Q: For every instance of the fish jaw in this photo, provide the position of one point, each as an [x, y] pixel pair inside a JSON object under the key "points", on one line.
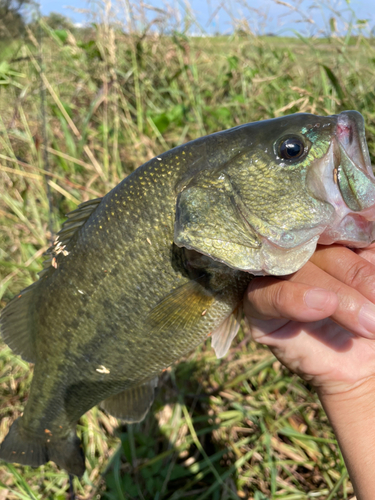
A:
{"points": [[346, 181]]}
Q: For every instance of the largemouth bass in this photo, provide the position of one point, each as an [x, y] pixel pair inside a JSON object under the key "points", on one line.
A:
{"points": [[140, 277]]}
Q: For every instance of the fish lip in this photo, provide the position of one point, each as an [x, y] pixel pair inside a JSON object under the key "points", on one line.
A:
{"points": [[349, 145], [349, 140], [350, 135]]}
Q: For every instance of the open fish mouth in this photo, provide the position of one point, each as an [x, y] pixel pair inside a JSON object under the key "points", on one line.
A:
{"points": [[349, 186]]}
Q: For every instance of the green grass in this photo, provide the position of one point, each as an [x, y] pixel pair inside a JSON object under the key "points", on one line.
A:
{"points": [[241, 427]]}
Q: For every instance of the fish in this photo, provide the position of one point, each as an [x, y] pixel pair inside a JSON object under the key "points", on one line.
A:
{"points": [[139, 278]]}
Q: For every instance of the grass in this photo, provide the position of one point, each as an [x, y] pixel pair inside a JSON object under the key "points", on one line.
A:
{"points": [[241, 427]]}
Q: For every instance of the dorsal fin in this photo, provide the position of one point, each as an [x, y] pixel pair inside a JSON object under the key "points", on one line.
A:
{"points": [[75, 220], [16, 322]]}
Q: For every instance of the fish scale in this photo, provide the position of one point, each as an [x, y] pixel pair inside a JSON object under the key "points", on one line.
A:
{"points": [[139, 278]]}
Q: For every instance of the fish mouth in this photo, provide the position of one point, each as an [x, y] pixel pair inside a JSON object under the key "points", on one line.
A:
{"points": [[348, 184]]}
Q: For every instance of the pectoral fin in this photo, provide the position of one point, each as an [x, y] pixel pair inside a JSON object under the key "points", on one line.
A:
{"points": [[181, 308], [132, 404], [223, 336]]}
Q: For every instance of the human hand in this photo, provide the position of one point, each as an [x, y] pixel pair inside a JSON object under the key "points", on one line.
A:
{"points": [[320, 321]]}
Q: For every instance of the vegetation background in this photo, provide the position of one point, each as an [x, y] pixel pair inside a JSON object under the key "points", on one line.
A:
{"points": [[80, 108]]}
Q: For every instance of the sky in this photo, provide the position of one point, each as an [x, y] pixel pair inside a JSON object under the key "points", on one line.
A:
{"points": [[217, 16]]}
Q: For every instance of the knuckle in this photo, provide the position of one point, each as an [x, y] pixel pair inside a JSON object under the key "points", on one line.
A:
{"points": [[358, 274], [265, 298], [280, 296]]}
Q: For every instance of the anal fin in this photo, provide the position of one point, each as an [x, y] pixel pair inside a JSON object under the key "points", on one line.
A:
{"points": [[222, 337], [132, 404]]}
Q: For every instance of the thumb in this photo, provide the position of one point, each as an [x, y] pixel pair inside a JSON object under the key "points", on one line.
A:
{"points": [[272, 298]]}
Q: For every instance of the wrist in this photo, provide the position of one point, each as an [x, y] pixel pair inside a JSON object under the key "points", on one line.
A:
{"points": [[348, 405], [341, 393], [352, 415]]}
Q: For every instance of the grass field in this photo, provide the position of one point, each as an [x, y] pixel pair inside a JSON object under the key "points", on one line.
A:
{"points": [[241, 427]]}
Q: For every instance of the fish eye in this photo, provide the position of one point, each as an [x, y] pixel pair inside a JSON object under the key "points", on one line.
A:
{"points": [[291, 148]]}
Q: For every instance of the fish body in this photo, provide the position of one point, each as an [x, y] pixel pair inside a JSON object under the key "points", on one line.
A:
{"points": [[137, 279]]}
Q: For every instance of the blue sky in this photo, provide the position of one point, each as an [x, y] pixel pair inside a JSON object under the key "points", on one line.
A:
{"points": [[271, 17]]}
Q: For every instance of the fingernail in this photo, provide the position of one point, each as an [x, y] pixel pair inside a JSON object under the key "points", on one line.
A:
{"points": [[317, 298], [366, 317]]}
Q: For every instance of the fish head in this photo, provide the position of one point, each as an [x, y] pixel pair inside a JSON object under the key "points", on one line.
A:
{"points": [[276, 189]]}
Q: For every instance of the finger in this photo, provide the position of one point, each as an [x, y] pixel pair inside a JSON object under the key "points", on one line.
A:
{"points": [[271, 298], [348, 267], [354, 312]]}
